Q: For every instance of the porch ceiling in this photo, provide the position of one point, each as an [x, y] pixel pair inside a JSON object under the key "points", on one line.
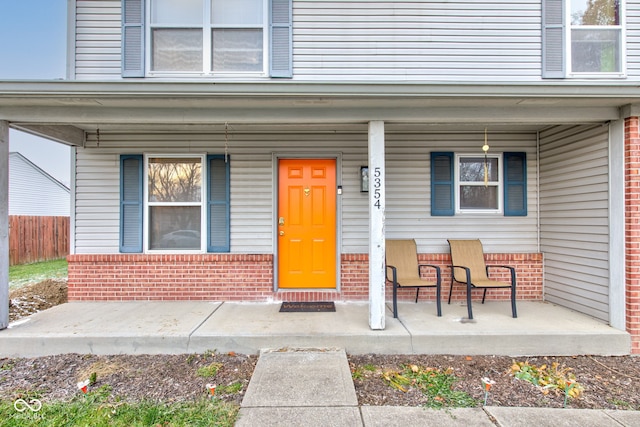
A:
{"points": [[65, 110]]}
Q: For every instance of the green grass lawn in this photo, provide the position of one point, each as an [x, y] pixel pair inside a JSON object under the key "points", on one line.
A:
{"points": [[20, 275], [96, 409]]}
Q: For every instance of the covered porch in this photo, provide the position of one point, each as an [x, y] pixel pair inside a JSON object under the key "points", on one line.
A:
{"points": [[137, 327], [377, 125]]}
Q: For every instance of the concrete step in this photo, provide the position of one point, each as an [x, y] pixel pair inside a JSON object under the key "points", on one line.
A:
{"points": [[310, 387]]}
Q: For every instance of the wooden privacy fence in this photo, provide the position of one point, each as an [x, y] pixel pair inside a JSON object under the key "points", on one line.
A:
{"points": [[37, 238]]}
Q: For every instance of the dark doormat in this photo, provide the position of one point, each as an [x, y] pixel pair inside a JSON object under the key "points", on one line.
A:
{"points": [[313, 306]]}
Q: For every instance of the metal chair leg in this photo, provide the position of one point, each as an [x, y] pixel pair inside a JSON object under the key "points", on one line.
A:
{"points": [[469, 310], [395, 300]]}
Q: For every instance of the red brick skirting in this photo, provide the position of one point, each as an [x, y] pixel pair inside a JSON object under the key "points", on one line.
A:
{"points": [[632, 230], [211, 277], [238, 277]]}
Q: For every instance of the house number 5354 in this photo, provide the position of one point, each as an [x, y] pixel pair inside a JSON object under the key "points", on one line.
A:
{"points": [[377, 184]]}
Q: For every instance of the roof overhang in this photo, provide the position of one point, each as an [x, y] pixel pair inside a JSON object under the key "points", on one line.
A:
{"points": [[65, 110]]}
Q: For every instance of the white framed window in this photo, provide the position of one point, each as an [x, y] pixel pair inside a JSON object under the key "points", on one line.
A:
{"points": [[595, 38], [174, 210], [207, 37], [474, 193]]}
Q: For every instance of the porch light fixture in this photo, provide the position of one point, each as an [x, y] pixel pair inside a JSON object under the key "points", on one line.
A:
{"points": [[364, 179], [485, 148]]}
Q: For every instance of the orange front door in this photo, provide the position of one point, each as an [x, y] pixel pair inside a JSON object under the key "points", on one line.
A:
{"points": [[307, 223]]}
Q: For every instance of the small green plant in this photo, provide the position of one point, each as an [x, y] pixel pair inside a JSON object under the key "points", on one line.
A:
{"points": [[357, 374], [619, 403], [210, 353], [7, 366], [435, 384], [233, 388], [93, 378], [364, 371], [554, 377], [209, 371]]}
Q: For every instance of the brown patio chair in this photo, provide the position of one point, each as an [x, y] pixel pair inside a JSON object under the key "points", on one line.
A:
{"points": [[468, 267], [402, 263]]}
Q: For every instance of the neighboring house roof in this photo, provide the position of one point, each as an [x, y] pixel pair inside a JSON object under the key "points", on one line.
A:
{"points": [[32, 191]]}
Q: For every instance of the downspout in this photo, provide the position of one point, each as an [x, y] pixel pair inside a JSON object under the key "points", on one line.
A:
{"points": [[4, 224], [538, 210], [71, 40]]}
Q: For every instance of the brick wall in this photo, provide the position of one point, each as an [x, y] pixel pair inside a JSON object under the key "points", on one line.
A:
{"points": [[238, 277], [212, 277], [632, 230]]}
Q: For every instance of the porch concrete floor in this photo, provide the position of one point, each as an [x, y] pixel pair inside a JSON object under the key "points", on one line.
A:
{"points": [[195, 326]]}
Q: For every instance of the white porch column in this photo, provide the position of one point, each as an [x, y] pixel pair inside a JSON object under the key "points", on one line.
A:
{"points": [[376, 225], [4, 224]]}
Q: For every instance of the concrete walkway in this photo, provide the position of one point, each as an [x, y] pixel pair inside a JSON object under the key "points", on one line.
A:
{"points": [[313, 388], [196, 326], [291, 388]]}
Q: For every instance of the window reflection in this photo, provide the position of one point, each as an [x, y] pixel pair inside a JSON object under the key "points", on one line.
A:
{"points": [[175, 180]]}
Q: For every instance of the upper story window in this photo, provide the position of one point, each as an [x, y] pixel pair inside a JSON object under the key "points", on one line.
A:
{"points": [[595, 36], [208, 36], [582, 38]]}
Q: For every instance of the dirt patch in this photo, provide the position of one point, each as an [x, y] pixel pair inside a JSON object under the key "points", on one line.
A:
{"points": [[36, 297], [607, 382], [161, 378]]}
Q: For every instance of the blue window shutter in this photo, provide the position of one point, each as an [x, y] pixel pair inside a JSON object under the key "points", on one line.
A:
{"points": [[132, 38], [553, 39], [281, 38], [218, 197], [515, 184], [442, 184], [131, 203]]}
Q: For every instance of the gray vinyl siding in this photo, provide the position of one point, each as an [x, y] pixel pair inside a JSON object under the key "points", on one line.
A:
{"points": [[633, 38], [97, 41], [253, 186], [408, 40], [409, 197], [574, 231], [359, 40], [97, 202]]}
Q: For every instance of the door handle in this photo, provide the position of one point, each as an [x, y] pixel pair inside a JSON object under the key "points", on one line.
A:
{"points": [[281, 221], [281, 233]]}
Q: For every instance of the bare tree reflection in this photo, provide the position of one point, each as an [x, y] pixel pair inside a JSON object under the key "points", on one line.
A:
{"points": [[174, 180]]}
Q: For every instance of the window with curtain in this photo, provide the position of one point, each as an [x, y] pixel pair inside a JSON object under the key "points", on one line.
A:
{"points": [[208, 36]]}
